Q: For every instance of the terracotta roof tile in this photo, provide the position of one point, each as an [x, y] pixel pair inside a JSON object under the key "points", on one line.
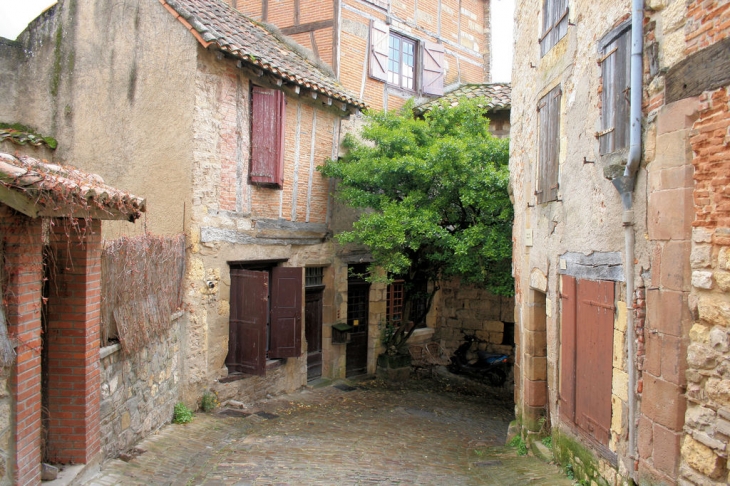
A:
{"points": [[499, 95], [37, 188], [214, 22]]}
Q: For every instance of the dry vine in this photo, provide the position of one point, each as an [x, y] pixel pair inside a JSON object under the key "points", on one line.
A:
{"points": [[141, 288]]}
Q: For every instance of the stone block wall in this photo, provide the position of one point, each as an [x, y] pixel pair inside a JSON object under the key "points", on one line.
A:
{"points": [[139, 391], [463, 308]]}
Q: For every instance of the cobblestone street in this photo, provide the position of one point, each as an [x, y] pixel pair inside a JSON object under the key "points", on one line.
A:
{"points": [[361, 434]]}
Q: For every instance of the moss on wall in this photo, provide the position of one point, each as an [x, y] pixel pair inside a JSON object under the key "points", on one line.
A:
{"points": [[577, 460]]}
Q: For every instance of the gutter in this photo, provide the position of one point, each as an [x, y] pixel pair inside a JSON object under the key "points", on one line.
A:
{"points": [[625, 186]]}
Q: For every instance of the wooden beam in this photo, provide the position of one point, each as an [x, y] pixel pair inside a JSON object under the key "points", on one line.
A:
{"points": [[704, 70], [308, 27]]}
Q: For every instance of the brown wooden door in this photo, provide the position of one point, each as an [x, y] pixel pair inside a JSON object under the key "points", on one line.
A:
{"points": [[358, 299], [286, 312], [587, 355], [248, 322], [313, 332]]}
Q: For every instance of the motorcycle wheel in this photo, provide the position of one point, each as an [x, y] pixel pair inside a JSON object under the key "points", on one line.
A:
{"points": [[496, 377]]}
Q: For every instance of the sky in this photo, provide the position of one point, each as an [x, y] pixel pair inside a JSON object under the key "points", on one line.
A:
{"points": [[15, 15]]}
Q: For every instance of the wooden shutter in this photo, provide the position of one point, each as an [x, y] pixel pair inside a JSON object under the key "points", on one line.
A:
{"points": [[248, 319], [286, 312], [433, 68], [267, 137], [615, 74], [554, 23], [549, 146], [379, 38], [567, 347]]}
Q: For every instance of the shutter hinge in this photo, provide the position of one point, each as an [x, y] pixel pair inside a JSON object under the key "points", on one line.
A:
{"points": [[604, 132], [606, 55]]}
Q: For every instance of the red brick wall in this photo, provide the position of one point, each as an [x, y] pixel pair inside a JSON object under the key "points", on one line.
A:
{"points": [[73, 343], [23, 272], [705, 26]]}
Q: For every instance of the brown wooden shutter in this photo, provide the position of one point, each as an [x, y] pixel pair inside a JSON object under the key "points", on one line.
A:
{"points": [[433, 68], [549, 146], [267, 137], [567, 347], [615, 106], [248, 318], [594, 357], [554, 23], [286, 312], [379, 41]]}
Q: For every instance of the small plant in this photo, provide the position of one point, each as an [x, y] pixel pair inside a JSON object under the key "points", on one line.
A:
{"points": [[182, 414], [548, 442], [209, 402], [519, 443], [569, 471]]}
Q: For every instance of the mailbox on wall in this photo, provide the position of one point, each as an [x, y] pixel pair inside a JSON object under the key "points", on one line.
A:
{"points": [[341, 333]]}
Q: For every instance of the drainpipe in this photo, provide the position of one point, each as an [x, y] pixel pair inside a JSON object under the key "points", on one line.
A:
{"points": [[625, 187]]}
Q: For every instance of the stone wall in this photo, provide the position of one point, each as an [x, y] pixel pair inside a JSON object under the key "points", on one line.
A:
{"points": [[139, 391]]}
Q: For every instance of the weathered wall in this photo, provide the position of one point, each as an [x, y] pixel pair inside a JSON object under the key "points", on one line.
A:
{"points": [[6, 424], [112, 82], [707, 421], [139, 391], [234, 221]]}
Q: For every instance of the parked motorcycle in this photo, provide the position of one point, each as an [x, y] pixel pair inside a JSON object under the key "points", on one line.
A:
{"points": [[489, 367]]}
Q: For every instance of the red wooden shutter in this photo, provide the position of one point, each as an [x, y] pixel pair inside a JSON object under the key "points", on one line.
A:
{"points": [[379, 39], [433, 68], [286, 312], [567, 348], [248, 319], [594, 358], [267, 137]]}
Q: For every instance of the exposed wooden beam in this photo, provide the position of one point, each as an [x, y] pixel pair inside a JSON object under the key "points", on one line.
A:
{"points": [[308, 27]]}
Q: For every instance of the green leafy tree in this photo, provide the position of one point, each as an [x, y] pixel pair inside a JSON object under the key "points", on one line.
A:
{"points": [[434, 201]]}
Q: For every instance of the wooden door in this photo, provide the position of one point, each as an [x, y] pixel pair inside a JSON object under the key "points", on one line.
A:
{"points": [[358, 299], [313, 332], [248, 322]]}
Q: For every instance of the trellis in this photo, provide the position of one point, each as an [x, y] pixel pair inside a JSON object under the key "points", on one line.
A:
{"points": [[141, 288]]}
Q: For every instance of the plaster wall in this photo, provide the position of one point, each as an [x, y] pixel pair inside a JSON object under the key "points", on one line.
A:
{"points": [[112, 82]]}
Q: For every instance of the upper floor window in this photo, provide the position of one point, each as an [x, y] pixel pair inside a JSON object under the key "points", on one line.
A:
{"points": [[549, 146], [401, 61], [267, 137], [554, 23], [615, 52], [404, 62]]}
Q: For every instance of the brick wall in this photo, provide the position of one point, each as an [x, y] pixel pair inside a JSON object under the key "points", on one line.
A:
{"points": [[23, 271], [73, 342]]}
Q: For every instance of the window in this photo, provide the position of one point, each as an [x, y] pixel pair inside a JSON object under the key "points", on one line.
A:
{"points": [[267, 137], [313, 276], [549, 146], [394, 305], [586, 355], [615, 51], [395, 59], [554, 23], [265, 317], [396, 299]]}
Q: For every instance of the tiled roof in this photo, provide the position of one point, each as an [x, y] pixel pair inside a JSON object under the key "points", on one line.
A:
{"points": [[498, 94], [213, 22], [36, 188]]}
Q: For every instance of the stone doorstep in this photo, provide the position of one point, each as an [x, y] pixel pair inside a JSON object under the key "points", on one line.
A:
{"points": [[68, 474]]}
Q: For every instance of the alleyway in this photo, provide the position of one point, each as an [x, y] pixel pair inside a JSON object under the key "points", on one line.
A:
{"points": [[362, 434]]}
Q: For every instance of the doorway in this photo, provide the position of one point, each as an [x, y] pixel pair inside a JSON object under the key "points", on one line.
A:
{"points": [[358, 300]]}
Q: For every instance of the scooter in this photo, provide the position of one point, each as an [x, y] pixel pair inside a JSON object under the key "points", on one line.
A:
{"points": [[490, 367]]}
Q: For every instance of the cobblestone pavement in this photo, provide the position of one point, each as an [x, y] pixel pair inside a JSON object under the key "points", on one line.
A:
{"points": [[416, 434]]}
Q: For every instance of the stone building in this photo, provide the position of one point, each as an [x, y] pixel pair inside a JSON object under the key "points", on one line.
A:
{"points": [[219, 123], [620, 236]]}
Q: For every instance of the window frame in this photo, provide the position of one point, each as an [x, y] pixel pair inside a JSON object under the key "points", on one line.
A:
{"points": [[554, 23], [403, 40], [548, 170]]}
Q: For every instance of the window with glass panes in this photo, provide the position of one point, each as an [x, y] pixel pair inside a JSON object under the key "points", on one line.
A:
{"points": [[401, 61]]}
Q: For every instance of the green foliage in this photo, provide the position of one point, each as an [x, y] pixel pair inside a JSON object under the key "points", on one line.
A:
{"points": [[208, 402], [569, 471], [519, 443], [182, 414], [433, 193], [547, 442]]}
